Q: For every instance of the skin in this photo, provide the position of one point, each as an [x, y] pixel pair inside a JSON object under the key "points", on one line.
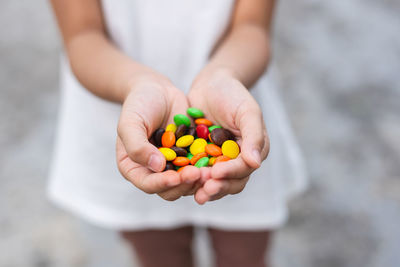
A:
{"points": [[108, 73]]}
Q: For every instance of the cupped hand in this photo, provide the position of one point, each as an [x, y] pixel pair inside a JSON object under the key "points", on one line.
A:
{"points": [[226, 102], [150, 104]]}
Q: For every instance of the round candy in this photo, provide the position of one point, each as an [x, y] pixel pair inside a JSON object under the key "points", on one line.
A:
{"points": [[212, 161], [213, 127], [181, 152], [185, 141], [221, 159], [230, 148], [219, 136], [181, 161], [169, 166], [203, 121], [180, 119], [191, 131], [198, 146], [195, 113], [180, 131], [196, 157], [168, 139], [171, 127], [168, 153], [203, 162], [202, 131], [189, 156], [213, 150], [158, 135]]}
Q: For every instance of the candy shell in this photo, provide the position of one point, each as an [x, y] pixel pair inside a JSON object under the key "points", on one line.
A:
{"points": [[171, 127], [185, 141], [169, 166], [221, 159], [180, 131], [189, 156], [191, 131], [181, 152], [203, 162], [181, 161], [213, 127], [157, 135], [198, 146], [180, 119], [202, 131], [168, 139], [230, 148], [168, 153], [203, 121], [196, 157], [219, 136], [195, 113], [212, 161], [213, 150]]}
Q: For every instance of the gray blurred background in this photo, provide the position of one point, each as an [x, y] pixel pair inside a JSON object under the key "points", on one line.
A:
{"points": [[339, 64]]}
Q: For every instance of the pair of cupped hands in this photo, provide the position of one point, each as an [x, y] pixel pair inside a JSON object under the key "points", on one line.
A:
{"points": [[152, 103]]}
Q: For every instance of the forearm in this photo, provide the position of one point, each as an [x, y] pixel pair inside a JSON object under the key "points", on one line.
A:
{"points": [[101, 68], [244, 54]]}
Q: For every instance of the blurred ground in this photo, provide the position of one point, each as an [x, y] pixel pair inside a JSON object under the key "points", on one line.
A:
{"points": [[339, 64]]}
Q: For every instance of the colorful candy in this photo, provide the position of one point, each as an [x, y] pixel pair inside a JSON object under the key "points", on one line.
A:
{"points": [[168, 139], [201, 145], [180, 119], [185, 141], [230, 148], [195, 113], [168, 153], [202, 131]]}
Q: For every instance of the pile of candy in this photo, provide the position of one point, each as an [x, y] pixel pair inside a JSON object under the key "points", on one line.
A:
{"points": [[202, 145]]}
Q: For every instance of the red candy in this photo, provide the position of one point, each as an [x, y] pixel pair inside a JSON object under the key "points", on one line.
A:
{"points": [[202, 131]]}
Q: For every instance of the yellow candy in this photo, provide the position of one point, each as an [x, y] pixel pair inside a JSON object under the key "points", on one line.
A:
{"points": [[212, 161], [185, 141], [168, 153], [230, 149], [171, 127], [198, 146]]}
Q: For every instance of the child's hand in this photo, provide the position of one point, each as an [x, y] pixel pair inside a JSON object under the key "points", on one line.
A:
{"points": [[149, 105], [227, 102]]}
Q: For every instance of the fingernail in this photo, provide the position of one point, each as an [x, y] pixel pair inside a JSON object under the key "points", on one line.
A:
{"points": [[257, 156], [155, 163]]}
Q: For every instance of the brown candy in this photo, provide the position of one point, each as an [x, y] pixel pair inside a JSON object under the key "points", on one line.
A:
{"points": [[180, 151], [180, 131], [169, 166], [191, 131], [157, 135], [220, 135]]}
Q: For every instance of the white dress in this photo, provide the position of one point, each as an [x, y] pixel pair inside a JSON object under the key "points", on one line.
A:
{"points": [[174, 37]]}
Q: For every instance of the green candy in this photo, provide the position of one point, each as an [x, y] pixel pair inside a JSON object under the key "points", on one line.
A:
{"points": [[189, 155], [180, 119], [213, 127], [203, 162], [195, 113]]}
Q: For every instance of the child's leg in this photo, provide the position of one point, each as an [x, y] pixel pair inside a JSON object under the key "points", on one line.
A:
{"points": [[240, 248], [155, 248]]}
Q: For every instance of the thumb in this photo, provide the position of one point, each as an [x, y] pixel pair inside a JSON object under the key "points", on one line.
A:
{"points": [[252, 129], [134, 129]]}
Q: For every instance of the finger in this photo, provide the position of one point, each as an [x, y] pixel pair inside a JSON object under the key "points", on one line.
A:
{"points": [[231, 169], [201, 196], [177, 192], [217, 189], [251, 125], [134, 130], [190, 174]]}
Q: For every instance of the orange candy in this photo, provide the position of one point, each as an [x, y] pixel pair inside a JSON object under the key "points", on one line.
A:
{"points": [[181, 161], [222, 159], [203, 121], [211, 162], [168, 139], [197, 157], [181, 169], [213, 150]]}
